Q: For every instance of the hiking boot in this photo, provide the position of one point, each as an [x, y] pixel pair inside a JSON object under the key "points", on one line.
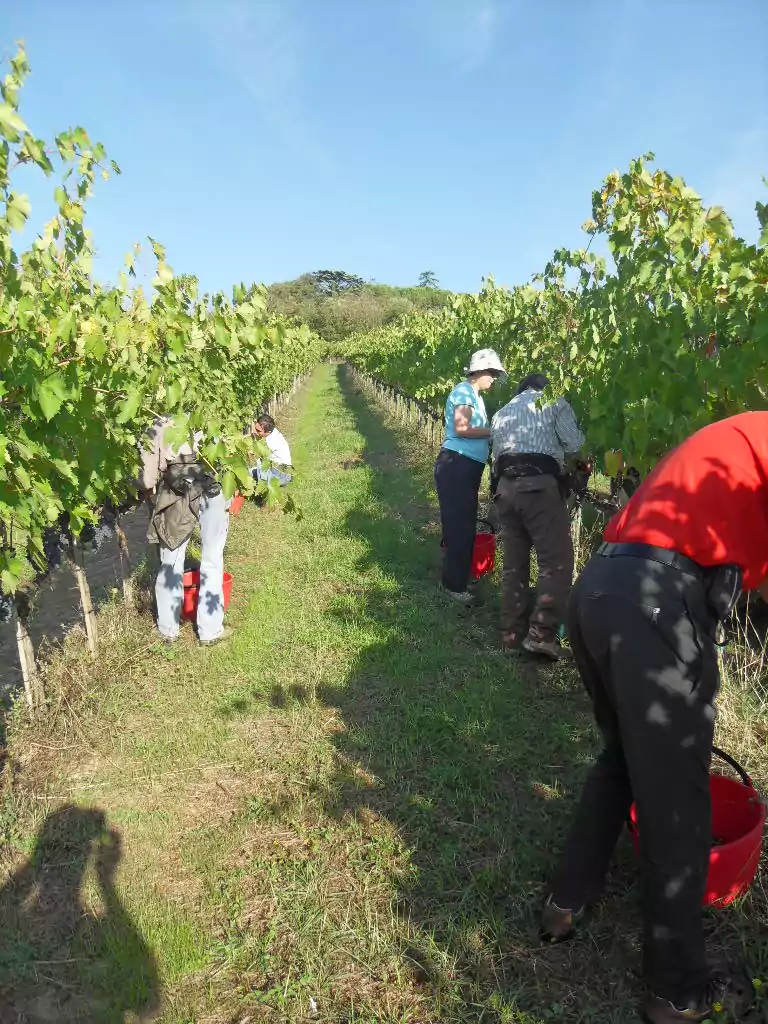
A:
{"points": [[546, 648], [558, 923], [225, 634], [460, 596], [730, 990], [512, 644]]}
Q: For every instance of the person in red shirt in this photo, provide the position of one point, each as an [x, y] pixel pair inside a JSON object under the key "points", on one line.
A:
{"points": [[642, 620]]}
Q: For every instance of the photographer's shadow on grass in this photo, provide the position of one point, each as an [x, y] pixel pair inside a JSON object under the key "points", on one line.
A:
{"points": [[68, 948]]}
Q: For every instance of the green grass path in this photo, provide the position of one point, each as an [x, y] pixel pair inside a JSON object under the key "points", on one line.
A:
{"points": [[347, 813]]}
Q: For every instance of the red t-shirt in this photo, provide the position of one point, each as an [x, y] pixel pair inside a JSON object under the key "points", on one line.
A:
{"points": [[707, 499]]}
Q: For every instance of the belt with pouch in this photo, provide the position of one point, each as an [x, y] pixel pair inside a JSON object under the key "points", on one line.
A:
{"points": [[514, 465], [722, 583], [653, 554]]}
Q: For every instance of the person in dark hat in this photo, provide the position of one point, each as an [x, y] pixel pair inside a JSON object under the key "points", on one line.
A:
{"points": [[531, 438]]}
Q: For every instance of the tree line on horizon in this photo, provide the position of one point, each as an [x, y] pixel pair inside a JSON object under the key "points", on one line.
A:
{"points": [[336, 304]]}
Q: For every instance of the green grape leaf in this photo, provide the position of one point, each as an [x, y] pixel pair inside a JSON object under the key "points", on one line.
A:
{"points": [[51, 393], [173, 392], [10, 120], [228, 483], [164, 274], [129, 407], [17, 211]]}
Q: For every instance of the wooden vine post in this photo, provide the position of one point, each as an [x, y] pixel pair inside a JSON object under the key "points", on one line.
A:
{"points": [[78, 568], [33, 688], [125, 561]]}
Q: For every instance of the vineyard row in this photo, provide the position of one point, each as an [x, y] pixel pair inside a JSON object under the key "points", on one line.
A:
{"points": [[665, 334], [87, 366]]}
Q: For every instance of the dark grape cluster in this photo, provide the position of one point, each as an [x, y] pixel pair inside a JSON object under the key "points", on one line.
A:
{"points": [[54, 544], [56, 539], [98, 535]]}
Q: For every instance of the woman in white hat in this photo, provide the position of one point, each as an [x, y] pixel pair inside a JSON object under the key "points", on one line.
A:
{"points": [[459, 469]]}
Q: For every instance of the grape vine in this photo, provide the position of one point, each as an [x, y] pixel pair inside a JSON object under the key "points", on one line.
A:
{"points": [[86, 366], [667, 334]]}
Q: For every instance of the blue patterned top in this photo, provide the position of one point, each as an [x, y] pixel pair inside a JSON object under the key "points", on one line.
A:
{"points": [[476, 448]]}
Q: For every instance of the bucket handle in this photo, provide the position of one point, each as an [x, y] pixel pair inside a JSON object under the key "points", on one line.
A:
{"points": [[735, 765], [728, 760], [488, 523]]}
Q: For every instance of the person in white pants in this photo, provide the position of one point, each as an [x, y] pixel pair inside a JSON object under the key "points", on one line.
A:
{"points": [[169, 585], [212, 513]]}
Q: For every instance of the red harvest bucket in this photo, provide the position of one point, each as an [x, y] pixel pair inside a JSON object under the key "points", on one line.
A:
{"points": [[738, 818], [237, 503], [192, 592], [483, 552]]}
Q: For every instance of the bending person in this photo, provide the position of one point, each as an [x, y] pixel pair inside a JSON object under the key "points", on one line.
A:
{"points": [[187, 495], [531, 438], [459, 469], [642, 621], [280, 454]]}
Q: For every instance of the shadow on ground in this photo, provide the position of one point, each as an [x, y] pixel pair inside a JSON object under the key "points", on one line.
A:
{"points": [[61, 958]]}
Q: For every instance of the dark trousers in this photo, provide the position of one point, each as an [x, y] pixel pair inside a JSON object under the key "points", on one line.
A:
{"points": [[532, 513], [457, 478], [642, 639]]}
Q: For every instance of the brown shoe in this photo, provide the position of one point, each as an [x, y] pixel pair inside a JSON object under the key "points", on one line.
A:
{"points": [[547, 649], [731, 990], [512, 643], [558, 923]]}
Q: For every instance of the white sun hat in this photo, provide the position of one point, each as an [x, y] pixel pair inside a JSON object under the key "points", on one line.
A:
{"points": [[485, 359]]}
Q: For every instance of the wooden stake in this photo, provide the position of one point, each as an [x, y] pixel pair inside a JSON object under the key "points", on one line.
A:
{"points": [[29, 673], [125, 561], [78, 568]]}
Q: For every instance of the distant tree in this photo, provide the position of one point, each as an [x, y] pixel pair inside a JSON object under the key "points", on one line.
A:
{"points": [[428, 279], [334, 282]]}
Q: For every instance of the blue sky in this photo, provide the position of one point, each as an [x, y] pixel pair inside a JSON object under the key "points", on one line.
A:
{"points": [[262, 138]]}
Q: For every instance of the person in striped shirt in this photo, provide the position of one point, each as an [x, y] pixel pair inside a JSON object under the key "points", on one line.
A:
{"points": [[531, 439]]}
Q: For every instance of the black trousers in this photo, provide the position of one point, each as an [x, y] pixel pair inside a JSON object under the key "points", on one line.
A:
{"points": [[641, 635], [457, 478]]}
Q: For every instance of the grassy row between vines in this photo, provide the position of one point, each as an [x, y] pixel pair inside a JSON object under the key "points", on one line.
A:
{"points": [[743, 701], [348, 813]]}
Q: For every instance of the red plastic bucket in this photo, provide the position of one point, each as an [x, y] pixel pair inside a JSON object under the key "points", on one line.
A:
{"points": [[738, 818], [237, 503], [483, 552], [192, 592]]}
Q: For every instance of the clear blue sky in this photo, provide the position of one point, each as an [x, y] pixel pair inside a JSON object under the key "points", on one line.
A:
{"points": [[262, 138]]}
